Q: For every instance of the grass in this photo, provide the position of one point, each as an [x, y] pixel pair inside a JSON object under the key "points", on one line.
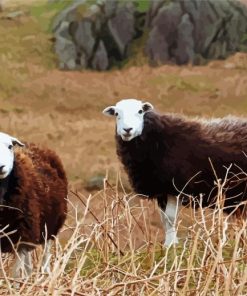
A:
{"points": [[191, 84], [45, 12], [112, 241], [143, 5], [102, 258], [26, 42]]}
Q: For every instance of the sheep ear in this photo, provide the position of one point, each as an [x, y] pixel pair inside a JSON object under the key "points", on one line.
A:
{"points": [[109, 111], [17, 142], [147, 106]]}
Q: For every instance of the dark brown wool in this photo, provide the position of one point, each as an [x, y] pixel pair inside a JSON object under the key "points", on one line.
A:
{"points": [[173, 150], [35, 197]]}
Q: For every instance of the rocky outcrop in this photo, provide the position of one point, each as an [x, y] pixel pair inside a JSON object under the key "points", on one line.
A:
{"points": [[94, 36], [193, 31], [101, 35]]}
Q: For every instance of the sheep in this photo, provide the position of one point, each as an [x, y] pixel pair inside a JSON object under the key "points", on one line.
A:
{"points": [[169, 156], [33, 206]]}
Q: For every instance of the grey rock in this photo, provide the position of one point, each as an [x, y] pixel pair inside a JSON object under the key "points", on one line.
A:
{"points": [[65, 48], [84, 37], [66, 52], [63, 31], [94, 10], [99, 29], [184, 52], [162, 36], [83, 61], [153, 10], [206, 24], [183, 30], [240, 6], [95, 183], [68, 14], [121, 27], [14, 14], [168, 17], [110, 8], [177, 31], [100, 60], [157, 47]]}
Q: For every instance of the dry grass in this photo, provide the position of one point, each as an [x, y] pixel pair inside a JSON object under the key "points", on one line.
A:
{"points": [[62, 110], [102, 258]]}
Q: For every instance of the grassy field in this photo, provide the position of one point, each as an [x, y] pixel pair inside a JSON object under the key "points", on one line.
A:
{"points": [[111, 244], [102, 256]]}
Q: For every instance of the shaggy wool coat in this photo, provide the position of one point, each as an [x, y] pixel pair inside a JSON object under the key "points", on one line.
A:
{"points": [[34, 206], [176, 155]]}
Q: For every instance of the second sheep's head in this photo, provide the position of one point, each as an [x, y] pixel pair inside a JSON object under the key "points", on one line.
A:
{"points": [[129, 115], [7, 144]]}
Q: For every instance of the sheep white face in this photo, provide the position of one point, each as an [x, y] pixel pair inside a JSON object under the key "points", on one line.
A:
{"points": [[129, 117], [7, 154]]}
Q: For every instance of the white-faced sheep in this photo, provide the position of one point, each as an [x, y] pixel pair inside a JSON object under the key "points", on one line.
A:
{"points": [[161, 153], [33, 206]]}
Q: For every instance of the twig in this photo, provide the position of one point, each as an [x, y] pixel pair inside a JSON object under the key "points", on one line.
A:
{"points": [[97, 220]]}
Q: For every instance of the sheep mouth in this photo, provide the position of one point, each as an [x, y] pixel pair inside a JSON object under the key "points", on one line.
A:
{"points": [[3, 175], [127, 137]]}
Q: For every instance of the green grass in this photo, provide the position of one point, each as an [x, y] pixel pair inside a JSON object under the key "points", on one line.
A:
{"points": [[44, 13], [192, 83], [176, 264], [143, 5], [26, 42]]}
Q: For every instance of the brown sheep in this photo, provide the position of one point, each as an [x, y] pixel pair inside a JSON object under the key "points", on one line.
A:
{"points": [[33, 206], [168, 155]]}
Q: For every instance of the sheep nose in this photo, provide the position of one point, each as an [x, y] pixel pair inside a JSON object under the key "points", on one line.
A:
{"points": [[1, 168], [127, 130]]}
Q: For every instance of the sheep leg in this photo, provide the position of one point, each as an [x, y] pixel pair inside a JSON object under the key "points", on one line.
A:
{"points": [[46, 257], [168, 216], [28, 263], [23, 263]]}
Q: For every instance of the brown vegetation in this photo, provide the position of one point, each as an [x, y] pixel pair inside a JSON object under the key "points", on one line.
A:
{"points": [[62, 110]]}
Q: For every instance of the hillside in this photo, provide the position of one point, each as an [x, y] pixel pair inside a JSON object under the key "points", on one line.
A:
{"points": [[59, 104], [62, 110]]}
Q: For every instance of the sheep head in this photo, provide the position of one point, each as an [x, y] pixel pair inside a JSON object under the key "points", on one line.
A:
{"points": [[7, 143], [129, 115]]}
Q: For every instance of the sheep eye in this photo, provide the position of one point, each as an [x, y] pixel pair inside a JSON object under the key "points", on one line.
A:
{"points": [[10, 147], [140, 111], [116, 114]]}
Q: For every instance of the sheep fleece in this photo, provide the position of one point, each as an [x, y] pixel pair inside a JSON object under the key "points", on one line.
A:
{"points": [[35, 199], [173, 154]]}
